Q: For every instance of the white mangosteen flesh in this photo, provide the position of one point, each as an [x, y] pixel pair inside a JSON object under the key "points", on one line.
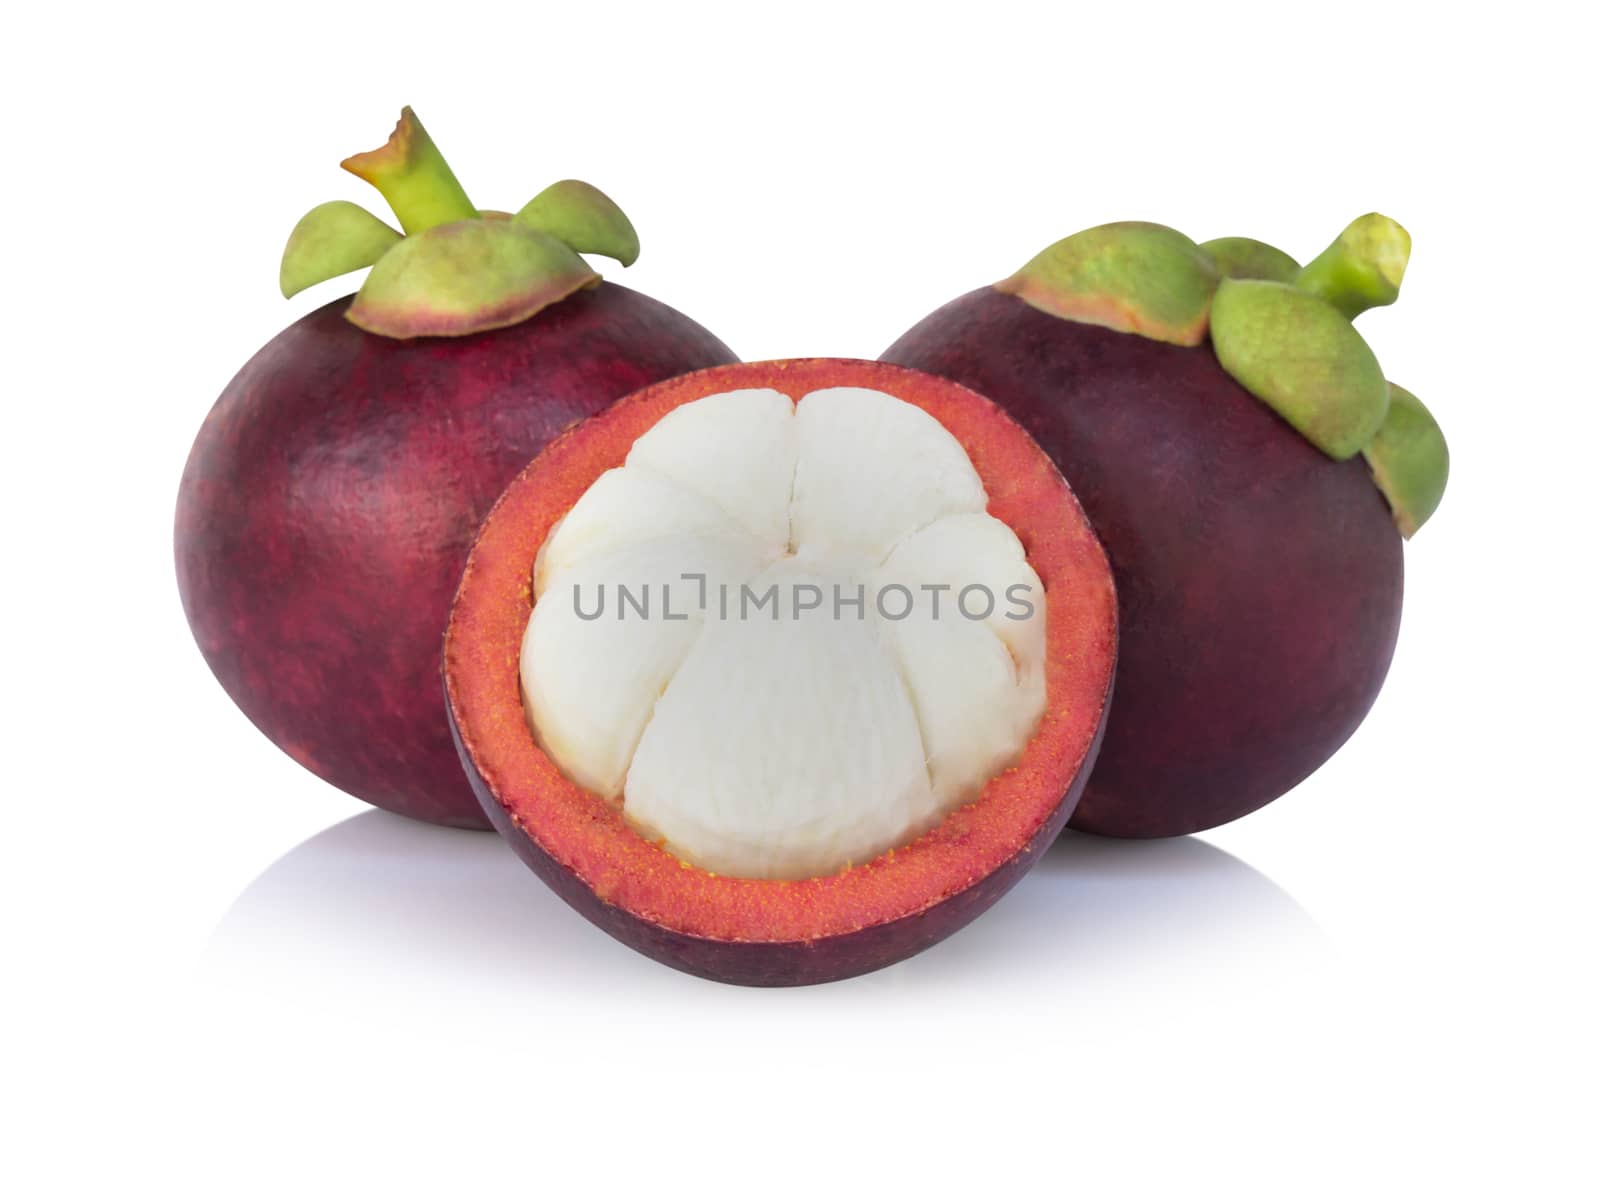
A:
{"points": [[785, 637]]}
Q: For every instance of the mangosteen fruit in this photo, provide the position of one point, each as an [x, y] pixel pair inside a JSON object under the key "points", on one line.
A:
{"points": [[1251, 473], [334, 489], [782, 672]]}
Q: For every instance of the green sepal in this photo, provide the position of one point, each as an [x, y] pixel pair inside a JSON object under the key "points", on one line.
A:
{"points": [[1409, 460], [585, 218], [1146, 279], [1242, 257], [465, 277], [331, 239], [1302, 357]]}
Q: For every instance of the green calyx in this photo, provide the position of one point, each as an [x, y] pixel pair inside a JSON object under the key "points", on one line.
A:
{"points": [[1302, 358], [583, 217], [1131, 277], [332, 239], [1241, 257], [1409, 460], [466, 276], [1281, 330], [457, 270]]}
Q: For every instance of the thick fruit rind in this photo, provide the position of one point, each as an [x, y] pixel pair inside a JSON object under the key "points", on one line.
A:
{"points": [[1300, 356], [768, 932], [1147, 279], [1410, 461]]}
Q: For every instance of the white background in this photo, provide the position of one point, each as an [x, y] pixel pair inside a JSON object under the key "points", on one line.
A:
{"points": [[222, 974]]}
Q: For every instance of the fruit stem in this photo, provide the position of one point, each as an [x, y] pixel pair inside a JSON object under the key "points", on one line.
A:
{"points": [[1362, 268], [413, 176]]}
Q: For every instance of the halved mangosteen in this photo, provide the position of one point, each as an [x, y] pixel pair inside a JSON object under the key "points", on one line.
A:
{"points": [[780, 673]]}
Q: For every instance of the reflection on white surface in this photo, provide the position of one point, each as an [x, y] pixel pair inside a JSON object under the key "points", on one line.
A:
{"points": [[1128, 910], [381, 901]]}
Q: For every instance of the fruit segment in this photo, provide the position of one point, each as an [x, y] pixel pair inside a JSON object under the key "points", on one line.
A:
{"points": [[605, 643], [736, 450], [971, 649], [784, 747], [981, 553], [853, 648], [869, 471], [627, 507]]}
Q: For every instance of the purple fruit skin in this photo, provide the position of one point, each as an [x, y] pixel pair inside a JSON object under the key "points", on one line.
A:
{"points": [[1259, 582], [331, 497], [785, 964]]}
